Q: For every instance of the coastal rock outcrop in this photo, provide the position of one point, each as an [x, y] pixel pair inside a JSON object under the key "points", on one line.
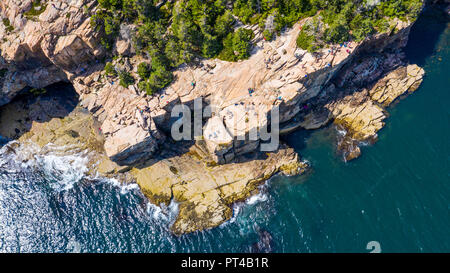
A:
{"points": [[396, 83], [60, 44], [50, 124], [279, 84], [205, 192], [362, 114], [77, 134]]}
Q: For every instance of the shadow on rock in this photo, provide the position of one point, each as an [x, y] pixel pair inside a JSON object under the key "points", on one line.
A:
{"points": [[36, 105]]}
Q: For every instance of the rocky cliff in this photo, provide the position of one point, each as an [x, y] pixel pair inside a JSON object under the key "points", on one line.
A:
{"points": [[348, 84], [59, 44]]}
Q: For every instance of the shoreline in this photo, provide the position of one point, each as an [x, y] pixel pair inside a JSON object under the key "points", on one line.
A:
{"points": [[331, 93]]}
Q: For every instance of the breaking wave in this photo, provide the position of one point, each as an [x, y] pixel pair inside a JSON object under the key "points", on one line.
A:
{"points": [[49, 202]]}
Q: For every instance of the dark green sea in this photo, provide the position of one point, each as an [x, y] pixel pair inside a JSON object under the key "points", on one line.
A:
{"points": [[397, 193]]}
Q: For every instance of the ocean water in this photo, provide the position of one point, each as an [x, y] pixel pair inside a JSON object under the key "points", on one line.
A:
{"points": [[397, 193]]}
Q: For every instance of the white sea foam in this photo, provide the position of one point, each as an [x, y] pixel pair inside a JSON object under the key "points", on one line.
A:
{"points": [[128, 188], [60, 165], [364, 143], [341, 132], [260, 197], [163, 212], [65, 171], [124, 188], [155, 211], [236, 209]]}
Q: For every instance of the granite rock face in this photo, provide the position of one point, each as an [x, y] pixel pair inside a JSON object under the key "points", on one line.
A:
{"points": [[396, 83], [47, 48], [205, 192], [349, 84], [76, 134], [361, 114], [60, 44]]}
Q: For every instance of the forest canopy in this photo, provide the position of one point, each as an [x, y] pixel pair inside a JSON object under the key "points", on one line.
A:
{"points": [[176, 32]]}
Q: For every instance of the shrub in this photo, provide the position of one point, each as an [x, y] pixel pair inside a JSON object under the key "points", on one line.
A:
{"points": [[38, 91], [125, 79], [36, 9], [110, 70], [268, 35], [241, 43], [337, 33], [8, 25], [145, 87], [211, 47], [159, 79], [236, 46], [305, 41], [143, 70], [361, 28], [108, 25], [179, 31]]}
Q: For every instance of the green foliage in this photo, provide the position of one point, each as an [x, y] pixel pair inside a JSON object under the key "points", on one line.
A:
{"points": [[337, 33], [236, 46], [211, 46], [159, 79], [241, 43], [36, 9], [355, 20], [110, 70], [224, 23], [107, 24], [306, 41], [7, 25], [38, 91], [142, 86], [268, 35], [177, 32], [184, 29], [244, 10], [155, 76], [110, 4], [143, 70], [361, 27], [125, 79]]}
